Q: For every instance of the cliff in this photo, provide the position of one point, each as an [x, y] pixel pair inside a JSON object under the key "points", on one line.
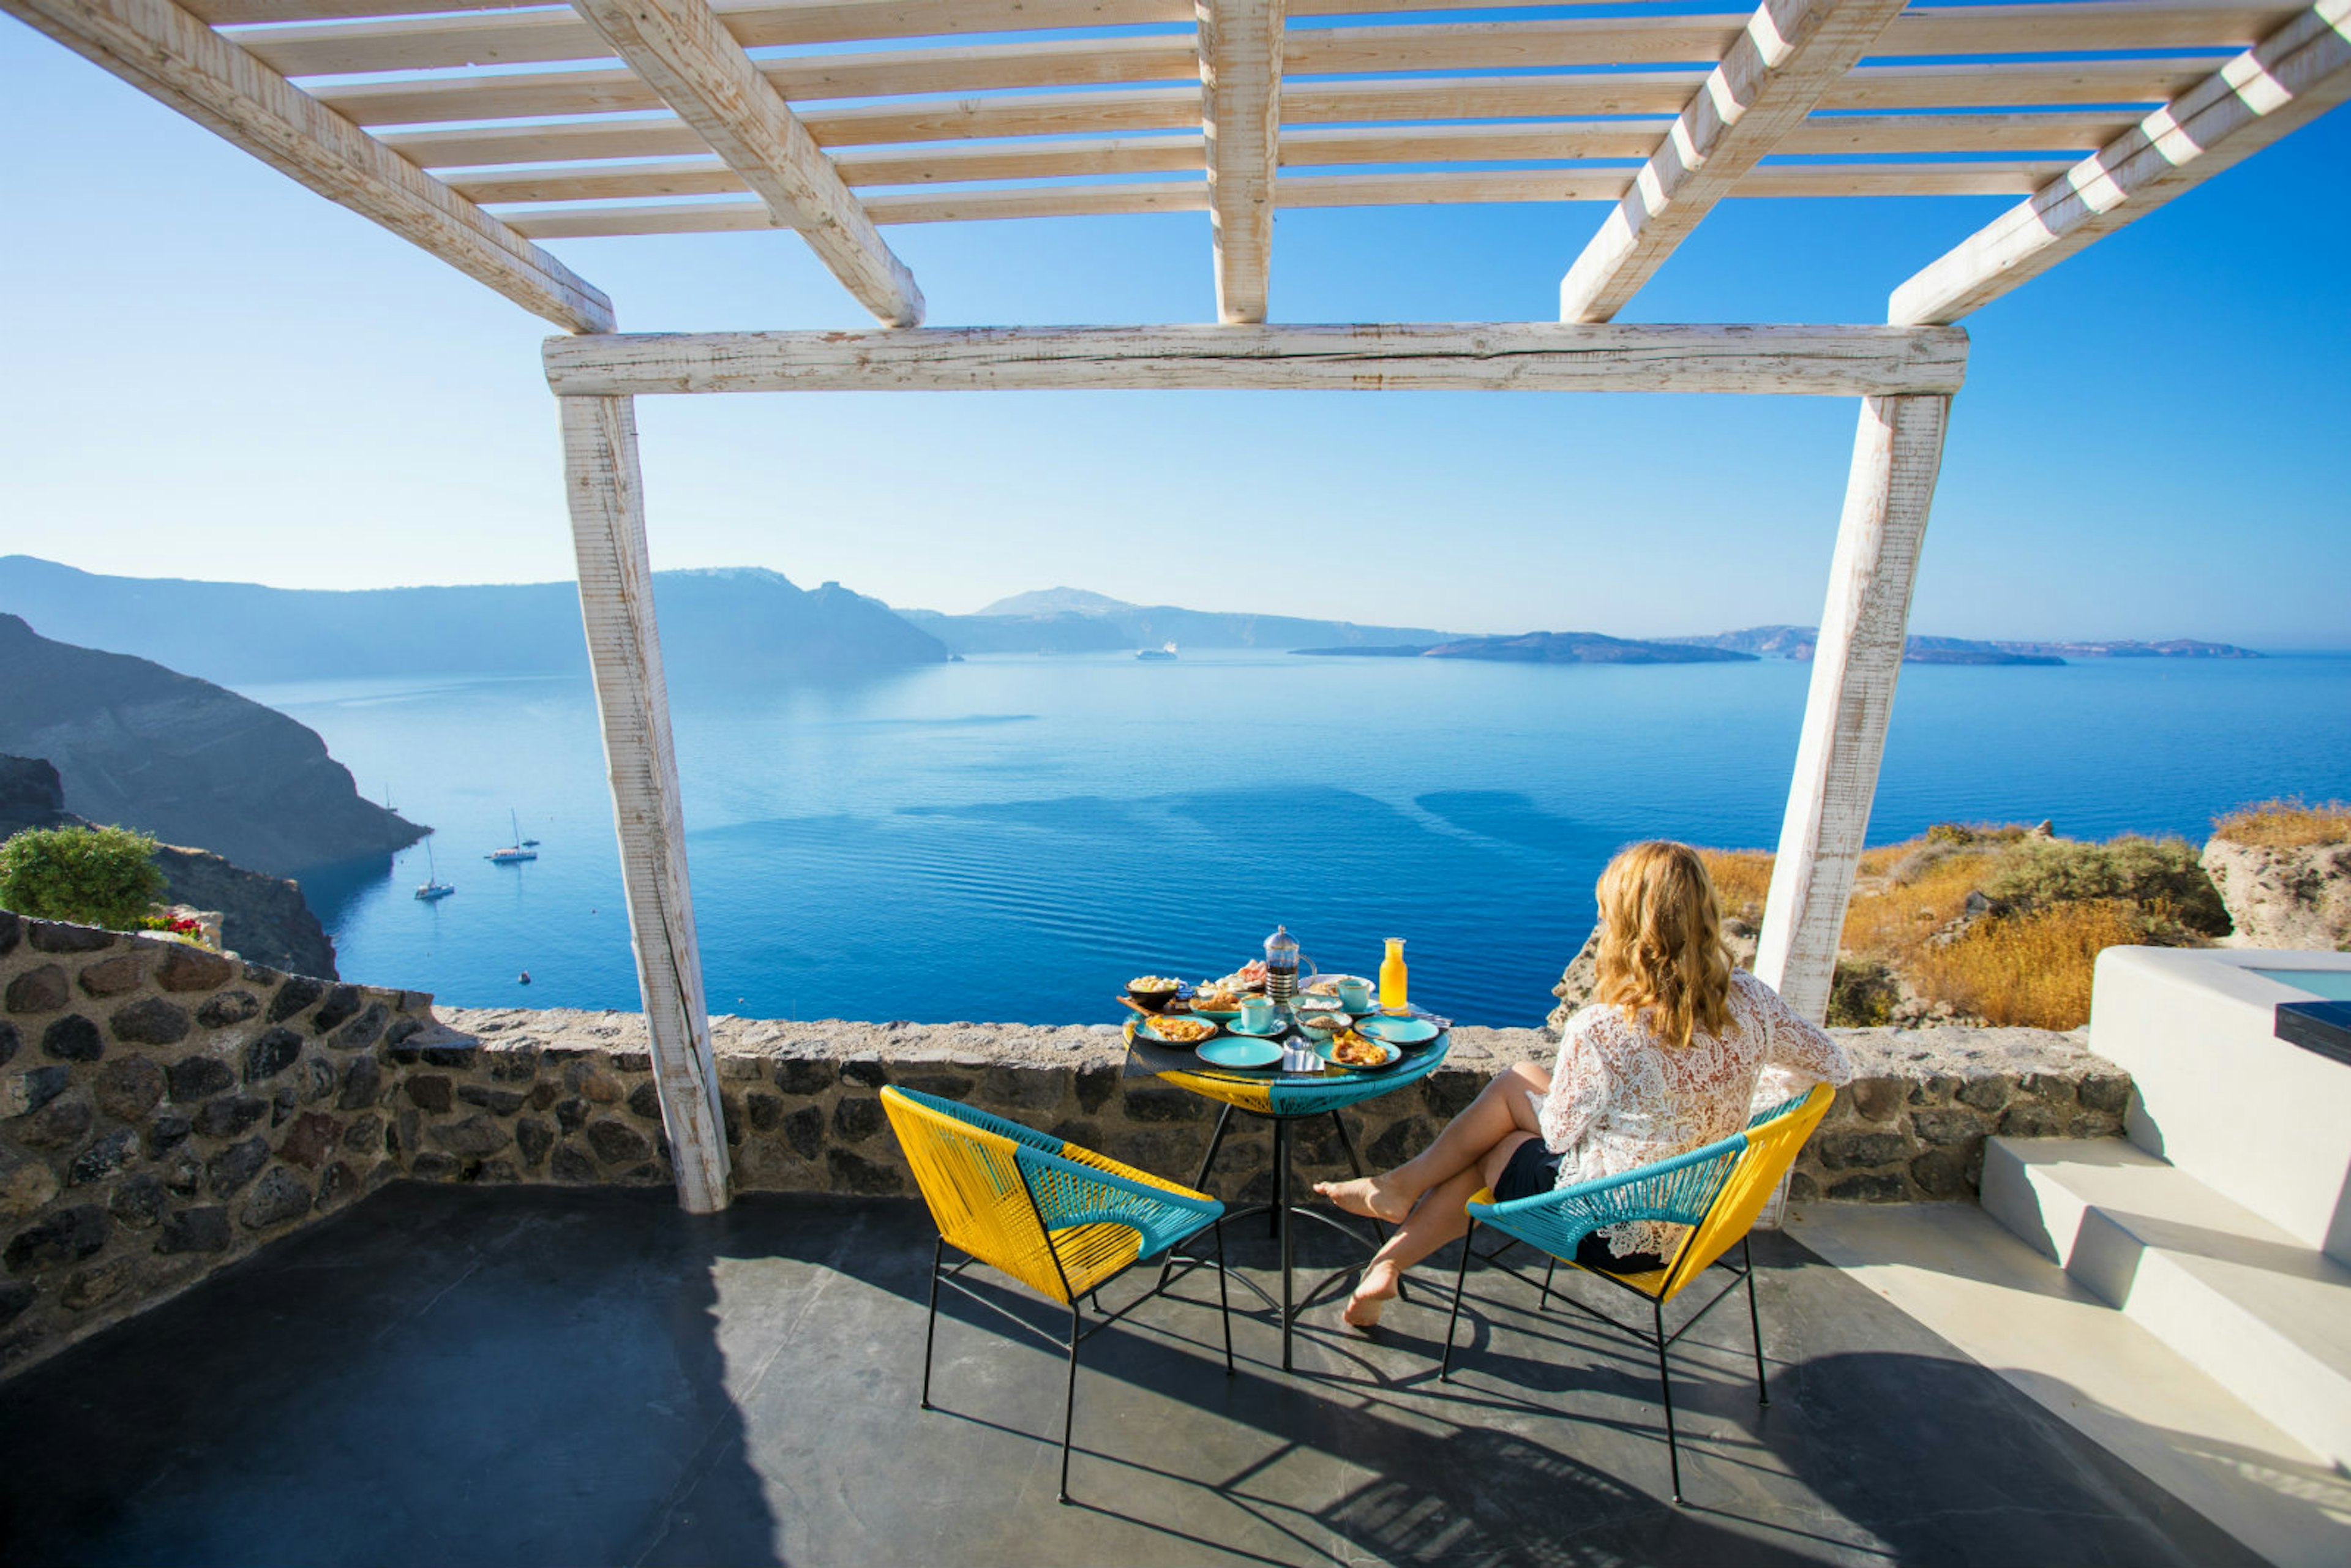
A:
{"points": [[1072, 621], [264, 919], [183, 760], [725, 623], [1548, 648]]}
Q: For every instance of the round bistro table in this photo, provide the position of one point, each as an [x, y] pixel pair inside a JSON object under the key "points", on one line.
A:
{"points": [[1284, 1099]]}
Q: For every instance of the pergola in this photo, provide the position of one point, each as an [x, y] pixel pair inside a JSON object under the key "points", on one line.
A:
{"points": [[477, 129]]}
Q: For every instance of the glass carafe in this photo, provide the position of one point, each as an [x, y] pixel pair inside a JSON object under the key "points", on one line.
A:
{"points": [[1281, 965]]}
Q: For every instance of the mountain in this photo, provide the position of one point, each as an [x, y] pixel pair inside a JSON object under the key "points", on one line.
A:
{"points": [[1551, 648], [181, 759], [731, 621], [264, 919], [1796, 642], [1073, 621]]}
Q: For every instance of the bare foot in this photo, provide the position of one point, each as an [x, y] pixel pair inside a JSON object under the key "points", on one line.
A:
{"points": [[1371, 1297], [1368, 1196]]}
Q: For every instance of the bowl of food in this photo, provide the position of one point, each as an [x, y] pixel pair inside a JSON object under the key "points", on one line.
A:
{"points": [[1152, 993], [1321, 1023]]}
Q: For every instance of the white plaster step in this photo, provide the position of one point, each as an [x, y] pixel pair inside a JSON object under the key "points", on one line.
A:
{"points": [[1954, 1270], [2264, 1313]]}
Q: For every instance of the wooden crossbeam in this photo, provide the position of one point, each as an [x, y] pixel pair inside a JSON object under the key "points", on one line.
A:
{"points": [[2291, 78], [1240, 119], [1526, 355], [1790, 52], [685, 52], [171, 56]]}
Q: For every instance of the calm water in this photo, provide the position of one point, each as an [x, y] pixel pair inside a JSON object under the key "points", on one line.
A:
{"points": [[1010, 838]]}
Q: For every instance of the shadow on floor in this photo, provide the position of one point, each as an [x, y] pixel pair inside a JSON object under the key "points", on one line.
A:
{"points": [[469, 1376]]}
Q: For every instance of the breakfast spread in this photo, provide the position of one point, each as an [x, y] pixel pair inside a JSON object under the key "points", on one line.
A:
{"points": [[1182, 1030], [1263, 1001]]}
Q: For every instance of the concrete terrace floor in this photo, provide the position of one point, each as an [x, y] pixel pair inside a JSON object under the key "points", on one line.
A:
{"points": [[506, 1375]]}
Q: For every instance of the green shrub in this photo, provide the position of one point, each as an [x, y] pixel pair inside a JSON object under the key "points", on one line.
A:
{"points": [[89, 877], [2161, 876], [1863, 994]]}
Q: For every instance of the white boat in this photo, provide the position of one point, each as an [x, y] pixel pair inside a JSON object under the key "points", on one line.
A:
{"points": [[1164, 651], [517, 852], [433, 887]]}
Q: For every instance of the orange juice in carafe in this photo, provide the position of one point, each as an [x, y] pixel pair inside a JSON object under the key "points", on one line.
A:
{"points": [[1391, 977]]}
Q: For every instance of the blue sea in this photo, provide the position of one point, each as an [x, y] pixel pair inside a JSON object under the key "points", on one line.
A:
{"points": [[1011, 838]]}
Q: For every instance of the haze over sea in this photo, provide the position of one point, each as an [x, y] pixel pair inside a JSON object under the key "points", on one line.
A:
{"points": [[1011, 838]]}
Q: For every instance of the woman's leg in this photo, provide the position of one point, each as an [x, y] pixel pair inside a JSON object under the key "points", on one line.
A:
{"points": [[1500, 1109], [1440, 1217]]}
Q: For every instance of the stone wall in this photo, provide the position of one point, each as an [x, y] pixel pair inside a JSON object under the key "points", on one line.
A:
{"points": [[163, 1112]]}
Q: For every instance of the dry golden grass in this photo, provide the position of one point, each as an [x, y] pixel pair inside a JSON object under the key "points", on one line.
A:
{"points": [[2033, 969], [2031, 966], [1742, 878], [2289, 824]]}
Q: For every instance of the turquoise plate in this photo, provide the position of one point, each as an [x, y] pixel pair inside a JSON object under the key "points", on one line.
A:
{"points": [[1229, 1052], [1327, 1049], [1278, 1027], [1222, 1015], [1398, 1031], [1148, 1028]]}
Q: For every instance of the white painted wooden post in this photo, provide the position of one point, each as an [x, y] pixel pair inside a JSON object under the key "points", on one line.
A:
{"points": [[616, 604], [1895, 456]]}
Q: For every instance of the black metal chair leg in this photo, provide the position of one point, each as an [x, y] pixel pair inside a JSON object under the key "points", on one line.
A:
{"points": [[1755, 1322], [1199, 1184], [1460, 1280], [1549, 1269], [931, 1332], [1224, 1302], [1069, 1404], [1665, 1388]]}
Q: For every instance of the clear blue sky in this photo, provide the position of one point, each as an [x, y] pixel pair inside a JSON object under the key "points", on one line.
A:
{"points": [[211, 372]]}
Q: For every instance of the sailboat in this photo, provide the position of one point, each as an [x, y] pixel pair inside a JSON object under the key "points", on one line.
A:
{"points": [[517, 852], [433, 887]]}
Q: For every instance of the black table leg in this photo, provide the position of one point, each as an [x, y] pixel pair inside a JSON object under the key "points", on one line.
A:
{"points": [[1281, 1217]]}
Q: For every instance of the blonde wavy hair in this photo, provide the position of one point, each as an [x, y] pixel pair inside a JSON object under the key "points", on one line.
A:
{"points": [[1661, 948]]}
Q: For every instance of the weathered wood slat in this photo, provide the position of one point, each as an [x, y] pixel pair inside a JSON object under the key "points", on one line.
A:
{"points": [[518, 38], [1855, 135], [1897, 455], [679, 47], [2006, 178], [1312, 101], [1532, 356], [2288, 79], [1240, 65], [605, 490], [1773, 73], [171, 56]]}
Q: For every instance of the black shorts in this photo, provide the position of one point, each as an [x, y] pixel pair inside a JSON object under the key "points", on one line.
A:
{"points": [[1534, 1169]]}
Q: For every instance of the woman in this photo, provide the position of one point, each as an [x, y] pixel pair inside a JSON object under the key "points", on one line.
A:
{"points": [[1664, 1061]]}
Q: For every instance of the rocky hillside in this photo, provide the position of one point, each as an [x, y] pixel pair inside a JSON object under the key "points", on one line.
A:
{"points": [[264, 919], [1072, 621], [727, 624], [183, 760], [2284, 868]]}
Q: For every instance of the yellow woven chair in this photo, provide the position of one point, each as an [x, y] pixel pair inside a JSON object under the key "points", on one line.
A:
{"points": [[1718, 1191], [1063, 1220]]}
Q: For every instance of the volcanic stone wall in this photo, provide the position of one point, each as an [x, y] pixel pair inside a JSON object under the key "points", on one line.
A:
{"points": [[164, 1111]]}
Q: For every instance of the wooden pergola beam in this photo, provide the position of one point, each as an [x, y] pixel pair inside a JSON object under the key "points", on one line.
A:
{"points": [[1525, 356], [1791, 54], [686, 53], [606, 492], [2284, 82], [1240, 115], [171, 56], [1897, 453]]}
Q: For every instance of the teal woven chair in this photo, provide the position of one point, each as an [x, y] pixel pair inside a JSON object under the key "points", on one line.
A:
{"points": [[1061, 1219], [1716, 1192]]}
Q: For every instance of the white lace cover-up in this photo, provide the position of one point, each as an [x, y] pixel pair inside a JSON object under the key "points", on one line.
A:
{"points": [[1622, 1098]]}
